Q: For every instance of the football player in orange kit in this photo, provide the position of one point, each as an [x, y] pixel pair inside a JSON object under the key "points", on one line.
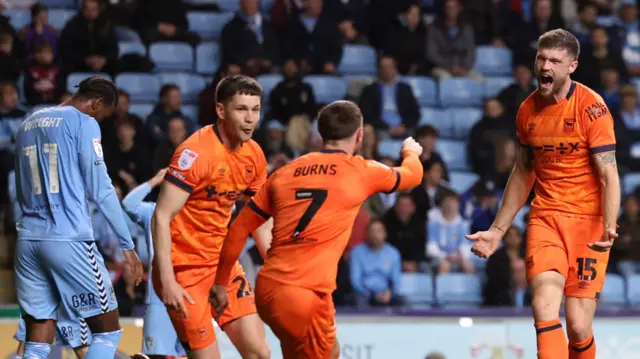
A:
{"points": [[567, 147], [314, 201], [208, 172]]}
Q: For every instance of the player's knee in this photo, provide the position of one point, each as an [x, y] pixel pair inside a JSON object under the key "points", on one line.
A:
{"points": [[335, 354], [544, 308], [261, 352], [578, 329]]}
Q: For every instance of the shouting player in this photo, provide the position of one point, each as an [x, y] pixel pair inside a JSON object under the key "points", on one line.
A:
{"points": [[59, 162], [314, 201], [567, 144], [207, 174]]}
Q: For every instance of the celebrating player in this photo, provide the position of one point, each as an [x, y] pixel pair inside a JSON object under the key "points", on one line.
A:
{"points": [[59, 162], [314, 201], [207, 174], [568, 145]]}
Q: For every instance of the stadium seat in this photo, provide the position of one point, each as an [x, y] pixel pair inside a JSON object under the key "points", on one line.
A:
{"points": [[424, 89], [454, 154], [519, 220], [493, 60], [75, 78], [59, 3], [191, 111], [630, 182], [461, 91], [493, 85], [229, 5], [417, 287], [327, 88], [208, 24], [268, 82], [18, 18], [58, 18], [142, 87], [613, 293], [141, 110], [437, 118], [357, 60], [172, 56], [207, 58], [462, 181], [633, 290], [463, 120], [190, 84], [458, 289], [130, 47], [606, 21], [357, 83], [389, 148]]}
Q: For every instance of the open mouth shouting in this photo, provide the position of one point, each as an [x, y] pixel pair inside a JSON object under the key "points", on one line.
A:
{"points": [[545, 81]]}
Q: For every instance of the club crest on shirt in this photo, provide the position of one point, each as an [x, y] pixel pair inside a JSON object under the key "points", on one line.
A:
{"points": [[249, 174], [187, 158], [97, 147], [569, 125]]}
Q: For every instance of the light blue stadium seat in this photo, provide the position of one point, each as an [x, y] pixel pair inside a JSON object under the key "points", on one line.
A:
{"points": [[268, 82], [389, 148], [613, 293], [208, 24], [454, 154], [172, 56], [131, 47], [191, 111], [461, 91], [327, 88], [458, 289], [358, 59], [518, 221], [462, 181], [493, 60], [75, 78], [59, 3], [417, 287], [633, 290], [142, 87], [18, 18], [58, 18], [493, 85], [606, 21], [190, 84], [424, 89], [630, 181], [437, 118], [463, 120], [207, 58], [141, 110], [229, 5]]}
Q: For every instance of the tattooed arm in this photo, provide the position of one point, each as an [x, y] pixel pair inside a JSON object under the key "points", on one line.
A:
{"points": [[607, 168]]}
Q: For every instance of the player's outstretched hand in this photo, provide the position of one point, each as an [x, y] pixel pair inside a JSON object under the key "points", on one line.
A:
{"points": [[606, 241], [158, 178], [173, 296], [218, 298], [411, 144], [487, 242], [134, 273]]}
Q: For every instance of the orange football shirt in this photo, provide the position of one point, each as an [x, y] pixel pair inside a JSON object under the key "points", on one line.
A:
{"points": [[563, 137], [215, 177]]}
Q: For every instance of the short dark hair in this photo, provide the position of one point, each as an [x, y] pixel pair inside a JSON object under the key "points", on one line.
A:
{"points": [[37, 9], [233, 85], [339, 120], [561, 39], [6, 38], [166, 88], [427, 130], [124, 93], [98, 87], [42, 46], [449, 194]]}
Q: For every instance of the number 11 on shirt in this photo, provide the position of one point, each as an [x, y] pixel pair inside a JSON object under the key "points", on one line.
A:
{"points": [[54, 180]]}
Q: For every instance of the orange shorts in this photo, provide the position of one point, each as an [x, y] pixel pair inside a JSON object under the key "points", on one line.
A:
{"points": [[196, 331], [302, 319], [559, 243]]}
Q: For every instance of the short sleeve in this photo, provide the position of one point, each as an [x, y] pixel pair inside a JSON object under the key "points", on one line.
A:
{"points": [[261, 202], [380, 177], [597, 124], [185, 169], [261, 174], [521, 126]]}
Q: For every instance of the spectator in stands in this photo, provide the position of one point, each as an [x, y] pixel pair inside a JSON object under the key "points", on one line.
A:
{"points": [[88, 41], [381, 15], [343, 290], [9, 109], [206, 100], [163, 20], [406, 232], [610, 90], [292, 97], [176, 134], [406, 42], [446, 243], [9, 64], [108, 125], [485, 134], [275, 141], [427, 136], [248, 40], [389, 104], [626, 254], [524, 40], [169, 107], [39, 31], [429, 195], [626, 23], [369, 147], [598, 56], [379, 204], [505, 158], [314, 40], [375, 270], [43, 80], [506, 275], [486, 208], [451, 47], [512, 96], [487, 19], [351, 34], [128, 161], [582, 28], [628, 128]]}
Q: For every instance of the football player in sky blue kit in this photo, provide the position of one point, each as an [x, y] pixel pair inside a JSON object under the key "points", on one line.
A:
{"points": [[59, 162], [159, 337]]}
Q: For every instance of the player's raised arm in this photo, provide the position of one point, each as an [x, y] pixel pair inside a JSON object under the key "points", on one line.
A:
{"points": [[133, 204], [262, 235], [407, 176]]}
